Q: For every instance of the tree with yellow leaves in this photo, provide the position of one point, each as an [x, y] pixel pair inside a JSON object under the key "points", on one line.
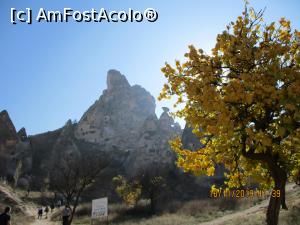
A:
{"points": [[129, 191], [243, 101]]}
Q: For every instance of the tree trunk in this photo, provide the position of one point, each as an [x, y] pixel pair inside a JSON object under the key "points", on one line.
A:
{"points": [[279, 176], [152, 203], [277, 197], [283, 203], [74, 209]]}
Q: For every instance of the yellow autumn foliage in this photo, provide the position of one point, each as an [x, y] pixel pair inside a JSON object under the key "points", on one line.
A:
{"points": [[128, 191], [243, 101]]}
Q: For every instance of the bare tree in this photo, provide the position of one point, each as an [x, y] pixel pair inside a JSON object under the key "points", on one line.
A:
{"points": [[153, 181], [73, 174]]}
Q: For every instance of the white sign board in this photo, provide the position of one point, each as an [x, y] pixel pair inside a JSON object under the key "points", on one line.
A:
{"points": [[99, 208]]}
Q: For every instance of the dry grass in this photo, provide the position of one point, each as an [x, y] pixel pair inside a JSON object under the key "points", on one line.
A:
{"points": [[290, 217], [192, 212], [195, 212], [176, 212]]}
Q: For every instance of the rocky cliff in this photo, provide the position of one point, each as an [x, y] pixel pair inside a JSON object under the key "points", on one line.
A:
{"points": [[124, 119], [8, 134], [114, 119], [122, 125], [15, 151], [122, 122]]}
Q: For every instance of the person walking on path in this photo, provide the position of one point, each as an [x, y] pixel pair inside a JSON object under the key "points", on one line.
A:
{"points": [[5, 217], [66, 214], [46, 212], [28, 192], [40, 213], [52, 207], [59, 203]]}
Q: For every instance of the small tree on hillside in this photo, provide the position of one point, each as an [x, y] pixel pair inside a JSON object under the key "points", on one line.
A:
{"points": [[128, 191], [73, 174], [245, 97], [153, 184]]}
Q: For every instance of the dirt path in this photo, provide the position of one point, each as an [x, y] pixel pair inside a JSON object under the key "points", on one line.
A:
{"points": [[260, 207], [29, 209], [43, 221]]}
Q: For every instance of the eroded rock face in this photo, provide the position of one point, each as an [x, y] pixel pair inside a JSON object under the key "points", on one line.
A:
{"points": [[122, 122], [15, 149], [65, 145], [8, 134], [22, 134], [124, 119], [152, 147], [116, 81], [118, 113]]}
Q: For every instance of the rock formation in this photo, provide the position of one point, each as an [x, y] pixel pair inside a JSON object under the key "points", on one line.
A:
{"points": [[124, 119], [122, 125], [122, 122], [118, 113], [8, 134], [15, 151]]}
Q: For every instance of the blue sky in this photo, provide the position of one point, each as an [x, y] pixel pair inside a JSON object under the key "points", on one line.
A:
{"points": [[52, 72]]}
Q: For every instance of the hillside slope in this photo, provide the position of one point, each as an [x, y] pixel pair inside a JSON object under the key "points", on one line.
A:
{"points": [[21, 211], [256, 214]]}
